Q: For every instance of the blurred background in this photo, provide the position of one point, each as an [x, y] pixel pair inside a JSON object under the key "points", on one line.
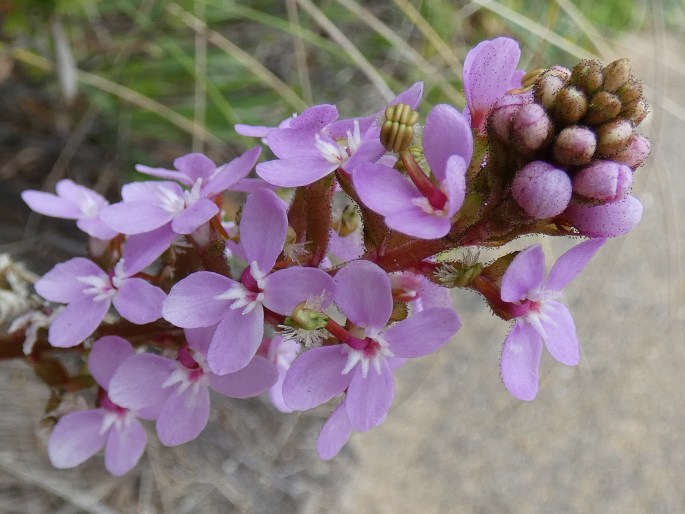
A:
{"points": [[88, 89]]}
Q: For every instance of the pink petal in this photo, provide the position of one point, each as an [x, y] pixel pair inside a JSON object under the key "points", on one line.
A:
{"points": [[315, 117], [106, 356], [135, 217], [571, 263], [606, 220], [51, 205], [263, 228], [199, 339], [96, 228], [139, 301], [149, 191], [488, 70], [183, 417], [423, 333], [195, 166], [561, 339], [137, 382], [231, 173], [315, 377], [141, 250], [236, 340], [252, 130], [384, 190], [276, 393], [418, 223], [124, 447], [254, 379], [289, 143], [520, 361], [369, 399], [334, 434], [76, 438], [189, 219], [285, 289], [525, 274], [410, 96], [191, 302], [165, 173], [446, 134], [295, 171], [455, 184], [77, 321], [60, 284], [363, 294]]}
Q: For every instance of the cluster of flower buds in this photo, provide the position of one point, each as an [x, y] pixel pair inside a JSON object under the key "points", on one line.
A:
{"points": [[339, 266]]}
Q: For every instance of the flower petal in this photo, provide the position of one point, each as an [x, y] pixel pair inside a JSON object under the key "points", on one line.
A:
{"points": [[384, 190], [137, 382], [520, 361], [76, 438], [446, 133], [334, 434], [189, 219], [236, 340], [60, 284], [183, 416], [124, 447], [195, 166], [285, 289], [165, 173], [106, 356], [295, 171], [77, 321], [231, 173], [455, 184], [560, 331], [141, 250], [422, 333], [369, 399], [363, 293], [525, 274], [315, 377], [96, 228], [263, 228], [606, 220], [135, 217], [571, 263], [315, 117], [200, 338], [49, 204], [254, 379], [418, 223], [191, 302], [139, 301]]}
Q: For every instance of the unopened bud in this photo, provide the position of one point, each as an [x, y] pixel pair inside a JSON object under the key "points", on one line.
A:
{"points": [[606, 181], [531, 128], [635, 153], [502, 113], [605, 220], [614, 136], [630, 91], [548, 85], [397, 131], [570, 105], [636, 112], [575, 146], [603, 107], [616, 74], [588, 76], [541, 190]]}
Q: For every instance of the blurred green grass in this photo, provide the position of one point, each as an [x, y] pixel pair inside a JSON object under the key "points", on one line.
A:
{"points": [[220, 62]]}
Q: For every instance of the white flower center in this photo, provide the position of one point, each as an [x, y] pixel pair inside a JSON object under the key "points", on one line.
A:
{"points": [[101, 288], [426, 206], [337, 152], [242, 296], [377, 351], [89, 207], [117, 419], [183, 377]]}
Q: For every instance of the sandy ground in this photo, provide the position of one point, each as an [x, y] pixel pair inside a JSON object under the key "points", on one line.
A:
{"points": [[602, 437]]}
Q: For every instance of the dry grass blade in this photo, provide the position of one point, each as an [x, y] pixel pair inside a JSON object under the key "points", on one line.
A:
{"points": [[535, 28], [241, 56], [300, 52], [200, 102], [126, 94], [405, 49], [450, 58], [357, 57], [585, 25]]}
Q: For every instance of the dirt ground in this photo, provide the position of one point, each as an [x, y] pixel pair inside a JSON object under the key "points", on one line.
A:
{"points": [[602, 437]]}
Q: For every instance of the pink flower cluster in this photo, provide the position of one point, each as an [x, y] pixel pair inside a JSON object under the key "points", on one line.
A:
{"points": [[320, 293]]}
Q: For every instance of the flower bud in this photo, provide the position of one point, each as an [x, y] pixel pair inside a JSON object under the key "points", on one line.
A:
{"points": [[616, 74], [548, 85], [630, 91], [603, 107], [588, 76], [575, 146], [541, 190], [613, 137], [636, 111], [605, 220], [570, 105], [606, 181], [397, 131], [635, 153], [499, 120], [531, 128]]}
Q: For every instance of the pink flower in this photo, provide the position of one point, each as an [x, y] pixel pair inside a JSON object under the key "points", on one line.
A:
{"points": [[80, 435], [539, 317], [180, 388], [89, 292], [605, 220], [72, 202], [489, 72], [361, 366], [205, 298]]}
